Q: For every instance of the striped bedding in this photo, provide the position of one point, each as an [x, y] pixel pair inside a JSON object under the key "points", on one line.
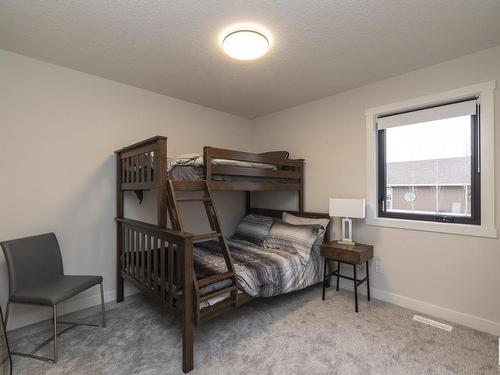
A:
{"points": [[261, 272]]}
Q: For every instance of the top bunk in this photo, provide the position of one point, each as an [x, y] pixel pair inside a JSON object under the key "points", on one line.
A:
{"points": [[145, 166]]}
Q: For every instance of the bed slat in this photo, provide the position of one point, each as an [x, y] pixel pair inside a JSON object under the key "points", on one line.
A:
{"points": [[162, 270], [155, 266], [170, 273]]}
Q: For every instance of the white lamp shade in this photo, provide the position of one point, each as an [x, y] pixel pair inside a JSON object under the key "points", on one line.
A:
{"points": [[353, 208]]}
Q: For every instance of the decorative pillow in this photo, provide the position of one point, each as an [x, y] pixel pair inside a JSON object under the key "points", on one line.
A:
{"points": [[277, 154], [253, 228], [298, 220], [297, 239]]}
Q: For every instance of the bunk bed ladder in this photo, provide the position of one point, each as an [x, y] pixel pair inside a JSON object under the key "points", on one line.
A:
{"points": [[213, 219]]}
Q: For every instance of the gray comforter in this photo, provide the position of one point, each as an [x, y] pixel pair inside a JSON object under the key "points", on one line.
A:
{"points": [[261, 272]]}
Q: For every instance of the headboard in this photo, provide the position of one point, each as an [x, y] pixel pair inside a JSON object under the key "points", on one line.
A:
{"points": [[279, 214]]}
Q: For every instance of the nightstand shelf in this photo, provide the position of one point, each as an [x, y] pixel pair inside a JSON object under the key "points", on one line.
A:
{"points": [[347, 254]]}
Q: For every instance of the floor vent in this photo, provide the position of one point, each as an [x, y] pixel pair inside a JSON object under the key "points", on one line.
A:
{"points": [[433, 323]]}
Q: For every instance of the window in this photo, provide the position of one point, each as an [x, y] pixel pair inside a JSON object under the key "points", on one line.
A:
{"points": [[431, 163], [428, 164]]}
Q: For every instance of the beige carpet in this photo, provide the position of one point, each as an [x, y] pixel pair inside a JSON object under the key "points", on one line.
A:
{"points": [[291, 334]]}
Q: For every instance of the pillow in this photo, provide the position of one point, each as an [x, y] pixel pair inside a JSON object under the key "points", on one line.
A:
{"points": [[253, 228], [277, 154], [298, 239], [298, 220]]}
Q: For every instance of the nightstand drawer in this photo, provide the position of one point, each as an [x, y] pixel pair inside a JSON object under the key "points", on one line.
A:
{"points": [[348, 254]]}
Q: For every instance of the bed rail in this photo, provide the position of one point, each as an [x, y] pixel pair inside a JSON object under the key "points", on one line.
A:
{"points": [[287, 168], [160, 262]]}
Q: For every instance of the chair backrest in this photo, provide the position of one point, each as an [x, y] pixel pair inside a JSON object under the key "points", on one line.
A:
{"points": [[32, 261]]}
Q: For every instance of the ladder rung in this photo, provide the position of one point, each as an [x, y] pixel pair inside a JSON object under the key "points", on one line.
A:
{"points": [[214, 279], [217, 293], [202, 237], [194, 199]]}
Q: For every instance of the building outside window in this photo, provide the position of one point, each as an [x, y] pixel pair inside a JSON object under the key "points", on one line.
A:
{"points": [[433, 186]]}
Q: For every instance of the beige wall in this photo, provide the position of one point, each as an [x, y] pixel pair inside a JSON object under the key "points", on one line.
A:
{"points": [[58, 131], [451, 276]]}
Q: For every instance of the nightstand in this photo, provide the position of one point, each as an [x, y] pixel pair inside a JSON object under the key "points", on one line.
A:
{"points": [[348, 254]]}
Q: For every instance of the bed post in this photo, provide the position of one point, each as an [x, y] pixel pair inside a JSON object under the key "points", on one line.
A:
{"points": [[161, 175], [301, 191], [207, 164], [248, 201], [187, 314], [119, 236]]}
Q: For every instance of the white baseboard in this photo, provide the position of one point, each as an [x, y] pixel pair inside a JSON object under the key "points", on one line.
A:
{"points": [[471, 321], [34, 314]]}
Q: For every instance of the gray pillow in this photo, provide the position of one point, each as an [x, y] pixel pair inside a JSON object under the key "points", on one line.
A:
{"points": [[253, 228], [298, 220], [297, 239]]}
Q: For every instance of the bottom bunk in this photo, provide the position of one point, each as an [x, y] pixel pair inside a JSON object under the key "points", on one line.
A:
{"points": [[270, 256]]}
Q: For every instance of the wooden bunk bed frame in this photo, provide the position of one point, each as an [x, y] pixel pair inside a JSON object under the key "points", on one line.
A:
{"points": [[159, 260]]}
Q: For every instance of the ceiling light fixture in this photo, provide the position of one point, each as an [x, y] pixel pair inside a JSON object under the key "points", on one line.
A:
{"points": [[245, 44]]}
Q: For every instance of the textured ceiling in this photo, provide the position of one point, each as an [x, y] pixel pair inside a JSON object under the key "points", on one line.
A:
{"points": [[319, 47]]}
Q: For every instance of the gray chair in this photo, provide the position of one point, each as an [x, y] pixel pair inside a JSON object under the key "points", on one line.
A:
{"points": [[36, 277]]}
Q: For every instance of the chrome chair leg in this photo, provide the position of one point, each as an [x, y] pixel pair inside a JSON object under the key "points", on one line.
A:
{"points": [[56, 334], [7, 311], [54, 322], [103, 310]]}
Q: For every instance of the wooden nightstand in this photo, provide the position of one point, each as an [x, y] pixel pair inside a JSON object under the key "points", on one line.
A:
{"points": [[348, 254]]}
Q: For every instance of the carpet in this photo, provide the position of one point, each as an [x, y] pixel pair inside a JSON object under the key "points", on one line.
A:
{"points": [[295, 333]]}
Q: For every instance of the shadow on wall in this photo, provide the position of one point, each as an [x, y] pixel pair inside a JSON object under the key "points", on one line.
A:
{"points": [[279, 200], [83, 223], [229, 204]]}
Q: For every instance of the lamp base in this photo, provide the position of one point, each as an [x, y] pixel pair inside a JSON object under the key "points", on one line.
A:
{"points": [[347, 232], [346, 242]]}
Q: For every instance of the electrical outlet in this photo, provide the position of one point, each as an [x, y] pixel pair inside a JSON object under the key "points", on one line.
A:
{"points": [[379, 267]]}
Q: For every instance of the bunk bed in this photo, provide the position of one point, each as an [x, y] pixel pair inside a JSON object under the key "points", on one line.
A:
{"points": [[159, 260]]}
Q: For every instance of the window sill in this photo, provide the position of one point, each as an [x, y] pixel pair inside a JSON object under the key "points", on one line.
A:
{"points": [[427, 226]]}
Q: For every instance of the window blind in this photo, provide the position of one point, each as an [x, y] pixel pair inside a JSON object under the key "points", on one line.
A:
{"points": [[465, 108]]}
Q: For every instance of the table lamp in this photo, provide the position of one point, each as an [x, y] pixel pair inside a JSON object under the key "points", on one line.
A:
{"points": [[347, 209]]}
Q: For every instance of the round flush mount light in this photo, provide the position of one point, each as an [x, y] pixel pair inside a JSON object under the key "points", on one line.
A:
{"points": [[245, 44]]}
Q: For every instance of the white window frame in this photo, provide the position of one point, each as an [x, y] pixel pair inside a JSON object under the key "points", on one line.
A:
{"points": [[485, 92]]}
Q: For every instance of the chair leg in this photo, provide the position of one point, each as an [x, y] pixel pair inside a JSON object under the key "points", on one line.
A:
{"points": [[7, 311], [57, 334], [103, 310], [54, 322]]}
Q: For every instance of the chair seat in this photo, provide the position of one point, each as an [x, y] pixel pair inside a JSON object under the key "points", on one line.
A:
{"points": [[56, 291]]}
